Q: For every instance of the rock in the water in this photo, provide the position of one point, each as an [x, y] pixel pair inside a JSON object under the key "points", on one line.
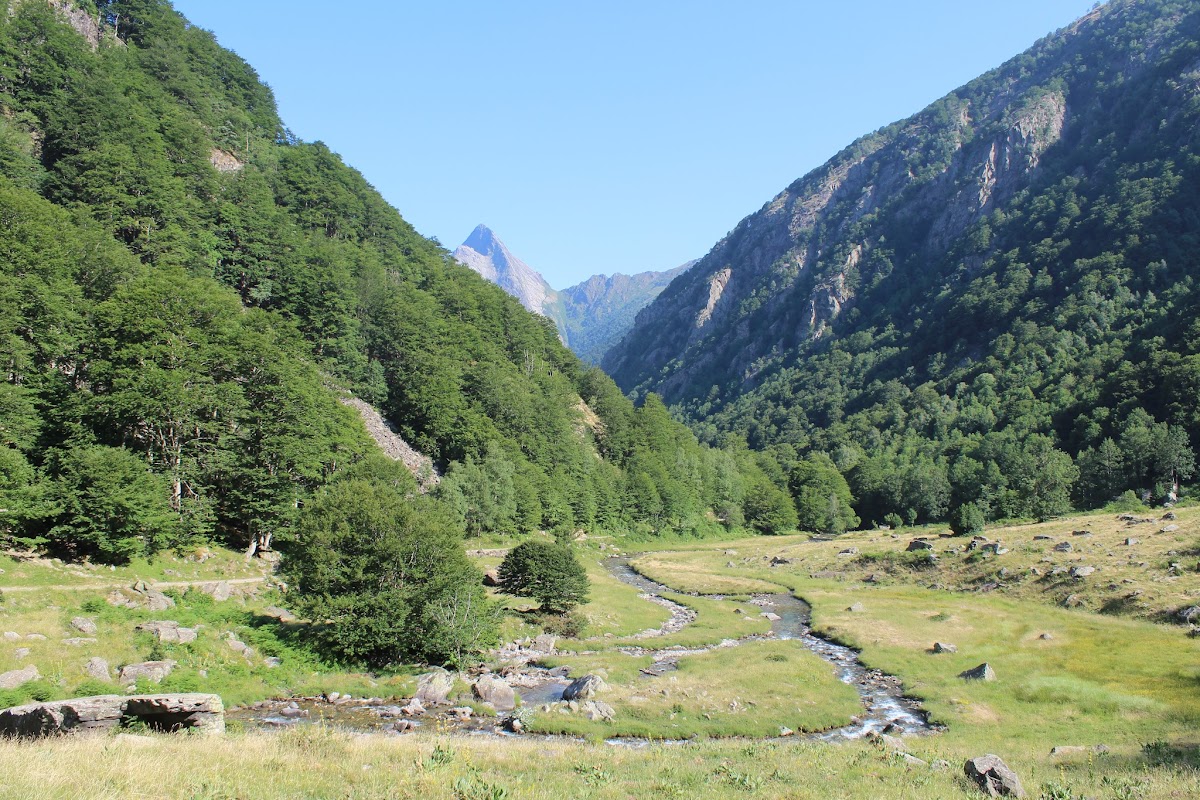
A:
{"points": [[585, 688], [770, 616], [203, 713], [495, 692], [153, 671], [415, 708], [992, 775], [403, 726], [983, 672], [942, 647], [19, 677], [462, 713], [433, 688], [98, 668], [84, 625]]}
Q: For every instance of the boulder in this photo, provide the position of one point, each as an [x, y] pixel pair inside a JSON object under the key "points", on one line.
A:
{"points": [[415, 708], [403, 726], [942, 647], [992, 775], [849, 551], [168, 630], [1063, 547], [462, 713], [203, 713], [585, 688], [983, 672], [153, 671], [597, 711], [495, 692], [917, 545], [433, 688], [1081, 572], [1169, 528], [98, 668], [491, 577], [1072, 601], [770, 616], [21, 652], [857, 608], [84, 625], [19, 677], [1190, 614], [220, 590], [779, 561], [543, 643]]}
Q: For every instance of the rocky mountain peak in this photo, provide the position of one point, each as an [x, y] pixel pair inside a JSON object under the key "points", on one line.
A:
{"points": [[486, 254]]}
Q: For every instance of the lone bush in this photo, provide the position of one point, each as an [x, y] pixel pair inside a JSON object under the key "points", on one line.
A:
{"points": [[547, 572]]}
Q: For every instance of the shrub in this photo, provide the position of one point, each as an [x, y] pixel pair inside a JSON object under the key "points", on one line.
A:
{"points": [[549, 573], [968, 518]]}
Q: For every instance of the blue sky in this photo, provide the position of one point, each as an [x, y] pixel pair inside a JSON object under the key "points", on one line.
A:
{"points": [[600, 137]]}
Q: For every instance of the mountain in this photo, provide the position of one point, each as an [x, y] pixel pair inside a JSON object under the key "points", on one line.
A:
{"points": [[590, 316], [486, 254], [1000, 287], [595, 314], [188, 291]]}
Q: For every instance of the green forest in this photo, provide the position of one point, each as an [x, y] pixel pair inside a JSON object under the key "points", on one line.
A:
{"points": [[1005, 344], [188, 290]]}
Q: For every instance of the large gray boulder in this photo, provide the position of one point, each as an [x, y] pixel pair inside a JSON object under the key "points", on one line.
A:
{"points": [[992, 775], [19, 677], [495, 692], [153, 671], [983, 672], [168, 630], [98, 668], [203, 713], [433, 688], [585, 688], [917, 545]]}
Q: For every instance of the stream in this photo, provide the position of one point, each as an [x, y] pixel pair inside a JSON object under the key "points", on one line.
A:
{"points": [[885, 708]]}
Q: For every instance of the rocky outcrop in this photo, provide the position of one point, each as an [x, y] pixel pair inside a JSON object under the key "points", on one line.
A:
{"points": [[201, 713], [993, 776], [141, 596]]}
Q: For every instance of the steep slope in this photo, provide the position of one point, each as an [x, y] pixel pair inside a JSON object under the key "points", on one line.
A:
{"points": [[598, 312], [486, 254], [1015, 260]]}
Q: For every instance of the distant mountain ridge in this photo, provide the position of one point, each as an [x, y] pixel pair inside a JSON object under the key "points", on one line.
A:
{"points": [[590, 316]]}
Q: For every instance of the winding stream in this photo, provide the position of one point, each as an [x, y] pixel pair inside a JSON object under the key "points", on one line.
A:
{"points": [[885, 708]]}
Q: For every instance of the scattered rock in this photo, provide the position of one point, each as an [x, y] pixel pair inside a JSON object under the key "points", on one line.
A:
{"points": [[849, 551], [1169, 529], [1041, 537], [992, 775], [918, 544], [1063, 547], [496, 692], [779, 561], [153, 671], [84, 625], [1130, 542], [433, 688], [168, 630], [403, 726], [97, 668], [19, 677], [585, 688], [1081, 533], [1081, 572], [1075, 749], [942, 647], [983, 672], [1169, 516]]}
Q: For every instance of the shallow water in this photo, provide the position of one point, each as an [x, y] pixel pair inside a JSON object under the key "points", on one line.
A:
{"points": [[884, 704]]}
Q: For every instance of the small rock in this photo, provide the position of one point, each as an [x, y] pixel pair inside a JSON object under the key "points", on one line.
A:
{"points": [[983, 672], [917, 545], [97, 668], [1130, 542], [1082, 572], [462, 713], [1045, 637], [21, 652], [272, 662], [12, 636], [84, 625], [1081, 533], [1063, 547], [992, 775], [1041, 537], [1169, 529], [779, 561], [857, 608], [913, 761], [35, 637], [1190, 614], [19, 677], [786, 731], [403, 726], [849, 551], [1072, 601], [1075, 749], [942, 647], [79, 641], [585, 688]]}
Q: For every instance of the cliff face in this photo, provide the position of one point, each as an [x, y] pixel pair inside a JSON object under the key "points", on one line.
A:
{"points": [[894, 213]]}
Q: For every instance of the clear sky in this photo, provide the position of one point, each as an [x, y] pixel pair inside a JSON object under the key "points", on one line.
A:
{"points": [[614, 136]]}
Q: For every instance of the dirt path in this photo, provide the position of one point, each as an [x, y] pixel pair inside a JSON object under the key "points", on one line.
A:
{"points": [[89, 587]]}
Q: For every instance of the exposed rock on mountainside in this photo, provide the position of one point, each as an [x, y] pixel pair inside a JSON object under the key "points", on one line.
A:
{"points": [[591, 316], [487, 255]]}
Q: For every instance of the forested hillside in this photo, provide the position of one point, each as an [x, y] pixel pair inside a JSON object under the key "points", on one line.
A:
{"points": [[987, 309], [187, 288]]}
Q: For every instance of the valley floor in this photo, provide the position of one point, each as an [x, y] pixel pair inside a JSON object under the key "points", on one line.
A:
{"points": [[1116, 668]]}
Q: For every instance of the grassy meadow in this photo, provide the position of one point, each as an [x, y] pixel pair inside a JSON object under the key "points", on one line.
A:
{"points": [[1122, 675]]}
